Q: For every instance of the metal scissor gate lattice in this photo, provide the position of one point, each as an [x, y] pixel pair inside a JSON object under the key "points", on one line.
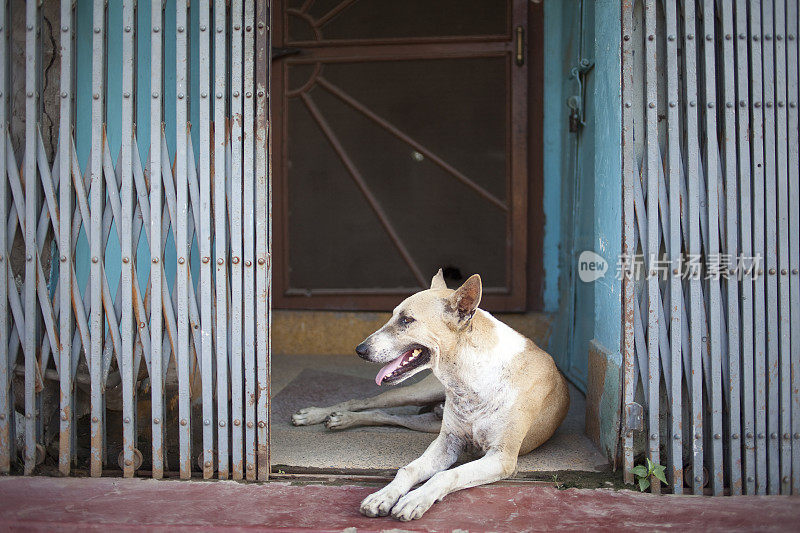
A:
{"points": [[711, 202], [192, 309]]}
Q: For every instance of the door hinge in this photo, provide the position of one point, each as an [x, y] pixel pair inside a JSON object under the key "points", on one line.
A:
{"points": [[634, 418]]}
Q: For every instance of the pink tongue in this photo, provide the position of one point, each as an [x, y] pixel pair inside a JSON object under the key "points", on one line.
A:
{"points": [[388, 369]]}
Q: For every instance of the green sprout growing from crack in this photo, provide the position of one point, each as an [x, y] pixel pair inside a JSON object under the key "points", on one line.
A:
{"points": [[643, 474]]}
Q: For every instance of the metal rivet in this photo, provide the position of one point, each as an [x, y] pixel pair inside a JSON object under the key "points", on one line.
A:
{"points": [[260, 25], [236, 94], [237, 27], [219, 95], [235, 260], [727, 36], [262, 424], [94, 419], [94, 259], [690, 36], [676, 436], [784, 271], [780, 103], [63, 258], [750, 479], [30, 94], [717, 436], [156, 421], [710, 105], [250, 425], [249, 28], [767, 37], [97, 30], [651, 105], [773, 435], [64, 94], [698, 436], [786, 479], [127, 29], [702, 203], [64, 416], [128, 462], [207, 464], [742, 36], [692, 103], [626, 37], [222, 423], [779, 37], [787, 436], [735, 436], [155, 260], [797, 435], [653, 436], [96, 96], [757, 104], [708, 37], [772, 271], [220, 261], [651, 37], [63, 28], [791, 37], [236, 422], [792, 105], [205, 260], [156, 29], [203, 94], [248, 94], [197, 326], [206, 421], [749, 435], [672, 104], [742, 103], [755, 37], [183, 421], [181, 260], [28, 416], [794, 270], [247, 262], [671, 37], [261, 261], [203, 28], [627, 105], [127, 420], [180, 96], [729, 104], [180, 29], [698, 479], [125, 259], [250, 467], [219, 30], [142, 325], [675, 271], [155, 94]]}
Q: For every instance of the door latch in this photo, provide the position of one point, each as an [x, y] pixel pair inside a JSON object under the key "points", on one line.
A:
{"points": [[575, 101]]}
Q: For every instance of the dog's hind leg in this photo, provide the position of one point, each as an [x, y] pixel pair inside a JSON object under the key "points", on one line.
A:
{"points": [[426, 422], [426, 391]]}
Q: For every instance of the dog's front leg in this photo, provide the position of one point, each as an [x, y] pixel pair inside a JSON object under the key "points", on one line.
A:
{"points": [[491, 467], [440, 455]]}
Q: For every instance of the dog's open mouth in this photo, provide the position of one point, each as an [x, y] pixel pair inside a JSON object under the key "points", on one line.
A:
{"points": [[407, 362]]}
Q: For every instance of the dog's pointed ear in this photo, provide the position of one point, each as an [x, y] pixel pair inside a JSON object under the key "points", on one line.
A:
{"points": [[465, 300], [438, 281]]}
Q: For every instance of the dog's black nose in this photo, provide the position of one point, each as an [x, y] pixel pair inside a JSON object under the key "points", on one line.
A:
{"points": [[362, 349]]}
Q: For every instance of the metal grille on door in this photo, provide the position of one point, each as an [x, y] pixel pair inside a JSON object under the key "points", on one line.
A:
{"points": [[167, 342], [710, 172]]}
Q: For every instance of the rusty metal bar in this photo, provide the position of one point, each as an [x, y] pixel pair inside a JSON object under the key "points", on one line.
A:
{"points": [[65, 243], [126, 245], [31, 211], [7, 411], [182, 244], [629, 175], [745, 274], [220, 237], [771, 240], [263, 213], [249, 242], [235, 199], [759, 301], [792, 86], [156, 243], [731, 249], [782, 259]]}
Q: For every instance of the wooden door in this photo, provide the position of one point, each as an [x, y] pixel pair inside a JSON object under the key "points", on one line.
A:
{"points": [[399, 147]]}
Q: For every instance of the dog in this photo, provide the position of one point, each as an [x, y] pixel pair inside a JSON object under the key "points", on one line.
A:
{"points": [[503, 395]]}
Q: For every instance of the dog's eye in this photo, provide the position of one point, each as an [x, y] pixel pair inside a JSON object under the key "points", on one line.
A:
{"points": [[406, 320]]}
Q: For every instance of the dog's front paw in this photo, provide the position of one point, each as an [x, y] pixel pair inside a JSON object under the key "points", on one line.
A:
{"points": [[341, 420], [310, 416], [380, 503], [413, 505]]}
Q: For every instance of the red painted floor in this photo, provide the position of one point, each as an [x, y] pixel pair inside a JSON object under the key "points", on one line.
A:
{"points": [[40, 503]]}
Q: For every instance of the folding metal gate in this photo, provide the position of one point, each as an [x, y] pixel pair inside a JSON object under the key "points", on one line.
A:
{"points": [[710, 174], [197, 310]]}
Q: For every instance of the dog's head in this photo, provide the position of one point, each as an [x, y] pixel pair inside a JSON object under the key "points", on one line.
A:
{"points": [[422, 328]]}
